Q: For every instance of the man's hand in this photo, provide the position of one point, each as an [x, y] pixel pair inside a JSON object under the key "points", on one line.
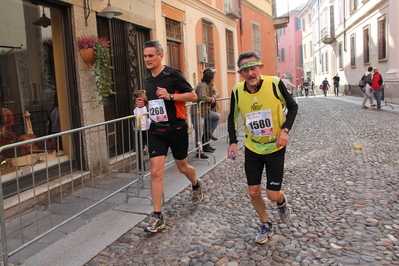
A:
{"points": [[282, 139], [162, 93], [232, 148]]}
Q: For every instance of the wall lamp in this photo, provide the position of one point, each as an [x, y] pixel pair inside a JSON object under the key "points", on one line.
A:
{"points": [[42, 21], [108, 12]]}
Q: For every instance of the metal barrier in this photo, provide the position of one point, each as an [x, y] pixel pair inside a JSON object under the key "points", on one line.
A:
{"points": [[73, 175], [391, 91]]}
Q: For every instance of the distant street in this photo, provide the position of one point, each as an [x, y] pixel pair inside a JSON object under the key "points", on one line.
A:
{"points": [[344, 200]]}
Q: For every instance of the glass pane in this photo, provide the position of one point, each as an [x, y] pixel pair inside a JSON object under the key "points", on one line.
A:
{"points": [[28, 88]]}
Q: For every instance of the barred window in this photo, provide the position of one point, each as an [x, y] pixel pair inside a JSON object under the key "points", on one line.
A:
{"points": [[230, 50], [207, 38], [173, 29]]}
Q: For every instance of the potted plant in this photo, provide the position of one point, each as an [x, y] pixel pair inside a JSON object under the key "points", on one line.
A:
{"points": [[86, 49], [103, 68], [95, 51]]}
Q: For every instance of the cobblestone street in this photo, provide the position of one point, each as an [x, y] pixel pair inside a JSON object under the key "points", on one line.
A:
{"points": [[344, 201]]}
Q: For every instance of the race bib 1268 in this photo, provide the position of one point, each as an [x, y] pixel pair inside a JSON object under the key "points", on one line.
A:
{"points": [[157, 110]]}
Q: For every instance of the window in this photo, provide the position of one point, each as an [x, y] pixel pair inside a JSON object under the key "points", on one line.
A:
{"points": [[304, 51], [282, 54], [340, 12], [322, 63], [366, 45], [382, 39], [352, 5], [300, 56], [230, 50], [327, 66], [315, 64], [353, 51], [310, 48], [298, 23], [340, 54], [173, 29], [207, 38], [35, 74], [256, 38]]}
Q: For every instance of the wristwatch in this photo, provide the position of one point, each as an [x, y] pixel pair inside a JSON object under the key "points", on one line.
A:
{"points": [[171, 96], [286, 130]]}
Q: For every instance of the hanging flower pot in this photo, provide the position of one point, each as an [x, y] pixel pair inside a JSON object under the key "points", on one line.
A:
{"points": [[96, 50], [88, 56]]}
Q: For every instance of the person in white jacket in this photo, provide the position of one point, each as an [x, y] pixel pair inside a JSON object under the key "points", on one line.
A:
{"points": [[142, 125]]}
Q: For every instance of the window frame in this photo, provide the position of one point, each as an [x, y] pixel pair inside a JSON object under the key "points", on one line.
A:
{"points": [[340, 56], [207, 39], [256, 40], [230, 50], [382, 39], [366, 45], [352, 43]]}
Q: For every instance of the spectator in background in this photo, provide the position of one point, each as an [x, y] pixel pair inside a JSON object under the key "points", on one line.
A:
{"points": [[207, 94], [325, 86], [377, 87], [336, 84], [290, 87], [367, 89]]}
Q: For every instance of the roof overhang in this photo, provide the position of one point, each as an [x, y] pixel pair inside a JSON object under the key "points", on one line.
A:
{"points": [[281, 22]]}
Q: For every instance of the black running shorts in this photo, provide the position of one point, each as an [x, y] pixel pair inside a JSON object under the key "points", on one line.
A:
{"points": [[176, 139], [274, 162]]}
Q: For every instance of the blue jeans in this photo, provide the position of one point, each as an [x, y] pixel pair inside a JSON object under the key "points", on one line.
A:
{"points": [[377, 95], [336, 88], [211, 121]]}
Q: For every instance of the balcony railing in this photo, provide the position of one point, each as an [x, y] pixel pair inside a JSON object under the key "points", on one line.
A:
{"points": [[327, 36], [232, 8]]}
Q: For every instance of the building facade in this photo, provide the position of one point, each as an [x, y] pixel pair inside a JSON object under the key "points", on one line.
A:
{"points": [[351, 35], [290, 57], [41, 67]]}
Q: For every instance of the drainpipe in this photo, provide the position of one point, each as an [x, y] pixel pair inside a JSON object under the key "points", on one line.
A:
{"points": [[241, 27], [344, 7]]}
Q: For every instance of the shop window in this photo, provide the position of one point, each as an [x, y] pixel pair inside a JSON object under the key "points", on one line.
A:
{"points": [[33, 78]]}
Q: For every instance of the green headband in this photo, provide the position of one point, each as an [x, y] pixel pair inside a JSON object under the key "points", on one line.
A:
{"points": [[250, 64]]}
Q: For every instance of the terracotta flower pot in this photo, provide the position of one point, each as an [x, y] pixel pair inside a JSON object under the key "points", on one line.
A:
{"points": [[88, 56]]}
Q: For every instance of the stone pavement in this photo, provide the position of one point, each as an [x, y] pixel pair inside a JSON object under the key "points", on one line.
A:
{"points": [[345, 209], [344, 201]]}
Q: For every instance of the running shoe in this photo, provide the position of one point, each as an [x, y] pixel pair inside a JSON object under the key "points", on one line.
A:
{"points": [[155, 223], [284, 211], [266, 230], [198, 194]]}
